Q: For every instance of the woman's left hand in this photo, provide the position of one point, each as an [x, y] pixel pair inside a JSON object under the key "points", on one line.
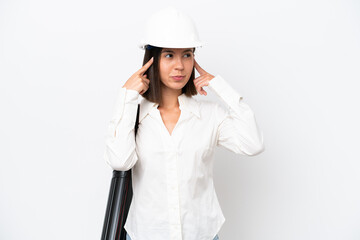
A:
{"points": [[202, 80]]}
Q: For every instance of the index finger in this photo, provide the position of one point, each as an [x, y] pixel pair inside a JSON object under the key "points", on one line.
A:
{"points": [[146, 66], [198, 68]]}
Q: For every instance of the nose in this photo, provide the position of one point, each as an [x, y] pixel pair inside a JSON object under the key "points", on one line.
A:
{"points": [[179, 65]]}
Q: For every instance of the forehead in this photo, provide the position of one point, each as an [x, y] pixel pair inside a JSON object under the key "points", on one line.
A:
{"points": [[174, 50]]}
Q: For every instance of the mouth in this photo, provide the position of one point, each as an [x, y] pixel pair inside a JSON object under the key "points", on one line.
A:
{"points": [[178, 78]]}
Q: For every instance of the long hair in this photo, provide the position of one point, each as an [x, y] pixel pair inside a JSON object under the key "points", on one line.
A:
{"points": [[153, 94]]}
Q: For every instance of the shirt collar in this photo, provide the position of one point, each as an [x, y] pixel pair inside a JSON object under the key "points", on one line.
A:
{"points": [[186, 103]]}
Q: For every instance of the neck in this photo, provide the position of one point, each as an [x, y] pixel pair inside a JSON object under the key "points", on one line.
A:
{"points": [[170, 98]]}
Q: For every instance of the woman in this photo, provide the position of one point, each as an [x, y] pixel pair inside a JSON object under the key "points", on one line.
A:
{"points": [[171, 159]]}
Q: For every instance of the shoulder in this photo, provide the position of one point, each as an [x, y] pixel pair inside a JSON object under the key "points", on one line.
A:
{"points": [[212, 109]]}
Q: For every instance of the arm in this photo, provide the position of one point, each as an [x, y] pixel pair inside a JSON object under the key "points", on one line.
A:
{"points": [[237, 130], [120, 151]]}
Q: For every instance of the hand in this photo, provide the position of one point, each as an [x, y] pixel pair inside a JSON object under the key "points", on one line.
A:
{"points": [[138, 80], [202, 80]]}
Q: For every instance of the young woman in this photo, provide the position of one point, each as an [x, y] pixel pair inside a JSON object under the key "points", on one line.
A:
{"points": [[172, 158]]}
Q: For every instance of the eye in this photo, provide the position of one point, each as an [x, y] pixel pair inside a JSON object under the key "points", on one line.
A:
{"points": [[168, 54], [188, 54]]}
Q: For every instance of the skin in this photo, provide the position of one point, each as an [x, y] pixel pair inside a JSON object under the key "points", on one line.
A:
{"points": [[173, 62]]}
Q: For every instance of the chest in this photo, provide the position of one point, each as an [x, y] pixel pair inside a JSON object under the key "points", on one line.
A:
{"points": [[162, 131], [170, 119], [191, 142]]}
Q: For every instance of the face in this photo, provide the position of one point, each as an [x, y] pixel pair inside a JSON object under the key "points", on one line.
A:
{"points": [[176, 62]]}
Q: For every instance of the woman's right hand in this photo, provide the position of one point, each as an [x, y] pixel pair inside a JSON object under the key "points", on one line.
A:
{"points": [[138, 80]]}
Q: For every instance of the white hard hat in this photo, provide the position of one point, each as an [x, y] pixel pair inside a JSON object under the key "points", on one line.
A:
{"points": [[170, 28]]}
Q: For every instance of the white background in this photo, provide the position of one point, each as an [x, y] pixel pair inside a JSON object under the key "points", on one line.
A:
{"points": [[296, 63]]}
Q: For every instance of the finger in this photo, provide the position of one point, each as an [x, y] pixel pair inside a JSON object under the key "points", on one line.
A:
{"points": [[146, 84], [199, 89], [202, 91], [199, 78], [198, 68], [145, 79], [146, 66], [202, 84], [145, 88]]}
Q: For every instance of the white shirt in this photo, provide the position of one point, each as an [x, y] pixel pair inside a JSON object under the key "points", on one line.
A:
{"points": [[172, 175]]}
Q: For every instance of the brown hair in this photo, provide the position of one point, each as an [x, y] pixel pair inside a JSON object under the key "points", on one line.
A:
{"points": [[153, 94]]}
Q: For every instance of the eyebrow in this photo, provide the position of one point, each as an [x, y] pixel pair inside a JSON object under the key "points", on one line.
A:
{"points": [[188, 50]]}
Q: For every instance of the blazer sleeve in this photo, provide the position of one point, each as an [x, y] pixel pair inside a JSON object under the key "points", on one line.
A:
{"points": [[120, 150], [237, 129]]}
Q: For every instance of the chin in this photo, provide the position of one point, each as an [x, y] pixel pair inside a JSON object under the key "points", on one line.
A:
{"points": [[179, 85], [176, 85]]}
